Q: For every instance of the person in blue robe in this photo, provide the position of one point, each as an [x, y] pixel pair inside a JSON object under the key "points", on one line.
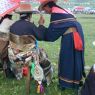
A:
{"points": [[24, 26], [71, 59]]}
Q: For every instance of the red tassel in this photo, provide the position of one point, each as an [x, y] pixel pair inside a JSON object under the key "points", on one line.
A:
{"points": [[77, 41], [25, 71]]}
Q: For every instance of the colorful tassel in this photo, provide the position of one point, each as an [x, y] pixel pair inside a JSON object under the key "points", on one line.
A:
{"points": [[41, 89], [38, 89], [32, 68], [25, 71]]}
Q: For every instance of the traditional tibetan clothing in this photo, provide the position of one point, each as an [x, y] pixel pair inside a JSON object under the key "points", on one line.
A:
{"points": [[27, 28], [71, 59]]}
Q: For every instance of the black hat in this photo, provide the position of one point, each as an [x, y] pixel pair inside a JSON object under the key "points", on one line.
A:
{"points": [[44, 2]]}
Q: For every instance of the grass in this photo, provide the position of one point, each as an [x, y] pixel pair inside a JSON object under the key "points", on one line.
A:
{"points": [[89, 33], [14, 87]]}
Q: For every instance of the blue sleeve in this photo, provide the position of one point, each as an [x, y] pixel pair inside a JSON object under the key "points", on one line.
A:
{"points": [[53, 33], [38, 32]]}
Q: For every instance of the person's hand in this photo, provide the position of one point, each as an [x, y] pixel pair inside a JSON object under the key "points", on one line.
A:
{"points": [[41, 20]]}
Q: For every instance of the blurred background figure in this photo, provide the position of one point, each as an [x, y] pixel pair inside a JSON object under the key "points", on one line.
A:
{"points": [[5, 23], [89, 84]]}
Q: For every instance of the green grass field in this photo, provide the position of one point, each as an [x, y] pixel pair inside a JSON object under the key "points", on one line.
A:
{"points": [[14, 87]]}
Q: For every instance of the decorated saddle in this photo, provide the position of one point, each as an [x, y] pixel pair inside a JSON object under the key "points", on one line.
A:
{"points": [[23, 54]]}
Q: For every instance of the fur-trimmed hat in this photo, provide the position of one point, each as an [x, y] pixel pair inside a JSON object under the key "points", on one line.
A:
{"points": [[44, 2]]}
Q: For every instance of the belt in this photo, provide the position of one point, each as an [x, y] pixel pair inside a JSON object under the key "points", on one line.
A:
{"points": [[24, 39], [70, 30]]}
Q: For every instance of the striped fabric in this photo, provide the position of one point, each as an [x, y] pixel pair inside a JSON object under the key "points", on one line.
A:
{"points": [[59, 10]]}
